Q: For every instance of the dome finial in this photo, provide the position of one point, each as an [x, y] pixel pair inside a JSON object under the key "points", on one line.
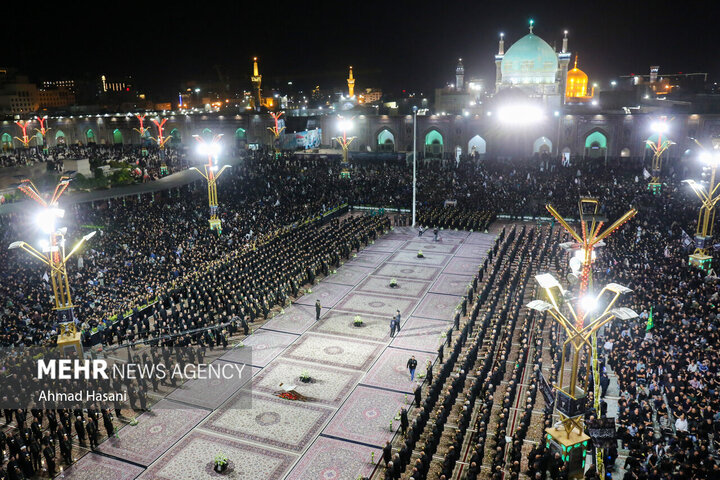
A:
{"points": [[576, 60], [532, 23]]}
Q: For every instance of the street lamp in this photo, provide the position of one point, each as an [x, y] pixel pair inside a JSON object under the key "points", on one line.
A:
{"points": [[276, 131], [415, 110], [344, 125], [709, 197], [580, 328], [211, 149], [53, 255], [660, 127], [591, 237]]}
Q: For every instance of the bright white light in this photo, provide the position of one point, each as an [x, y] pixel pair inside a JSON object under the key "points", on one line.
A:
{"points": [[344, 125], [44, 244], [210, 149], [588, 303], [710, 158], [594, 102], [557, 114], [47, 217], [522, 114], [659, 127], [197, 90], [613, 83], [580, 255]]}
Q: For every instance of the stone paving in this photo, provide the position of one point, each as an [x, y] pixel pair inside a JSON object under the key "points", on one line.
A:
{"points": [[359, 380]]}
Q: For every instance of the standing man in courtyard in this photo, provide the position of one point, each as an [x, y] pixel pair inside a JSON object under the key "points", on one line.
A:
{"points": [[317, 309], [412, 365]]}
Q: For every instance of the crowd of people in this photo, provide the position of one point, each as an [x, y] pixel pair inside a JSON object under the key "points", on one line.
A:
{"points": [[156, 250]]}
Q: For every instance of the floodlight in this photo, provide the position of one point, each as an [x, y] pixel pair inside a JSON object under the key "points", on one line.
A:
{"points": [[617, 288], [46, 219], [520, 114], [345, 125], [44, 244], [62, 231], [209, 149], [588, 303], [580, 255], [15, 245], [710, 158], [624, 313], [89, 235], [575, 265], [546, 280], [539, 305], [659, 127]]}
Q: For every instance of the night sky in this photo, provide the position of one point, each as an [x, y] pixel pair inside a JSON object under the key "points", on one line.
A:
{"points": [[393, 45]]}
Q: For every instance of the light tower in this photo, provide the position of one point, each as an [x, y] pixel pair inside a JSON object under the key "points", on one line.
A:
{"points": [[256, 79], [161, 140], [53, 249], [43, 131], [459, 76], [25, 140], [701, 257], [344, 141], [351, 84], [658, 148], [276, 131], [591, 223], [211, 175]]}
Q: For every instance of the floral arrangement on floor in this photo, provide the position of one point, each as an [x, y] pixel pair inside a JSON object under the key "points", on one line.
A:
{"points": [[221, 462], [288, 396], [420, 254], [393, 283], [357, 321], [305, 376]]}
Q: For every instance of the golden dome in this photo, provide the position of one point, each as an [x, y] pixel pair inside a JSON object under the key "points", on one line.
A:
{"points": [[577, 82]]}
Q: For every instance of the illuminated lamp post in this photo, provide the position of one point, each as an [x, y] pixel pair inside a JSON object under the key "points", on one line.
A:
{"points": [[43, 131], [569, 439], [142, 131], [701, 257], [344, 141], [660, 127], [211, 175], [53, 255], [276, 131], [591, 237], [25, 140]]}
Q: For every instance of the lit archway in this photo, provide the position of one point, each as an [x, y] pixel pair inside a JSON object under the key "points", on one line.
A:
{"points": [[240, 137], [542, 145], [596, 145], [565, 154], [90, 136], [207, 134], [477, 145], [7, 141], [175, 138], [434, 144], [117, 137], [385, 141], [39, 141], [625, 152], [59, 138]]}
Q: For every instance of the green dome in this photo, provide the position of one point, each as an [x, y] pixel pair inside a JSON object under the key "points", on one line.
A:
{"points": [[529, 60]]}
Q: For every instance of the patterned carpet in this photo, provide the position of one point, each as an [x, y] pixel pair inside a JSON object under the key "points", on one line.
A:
{"points": [[359, 375], [334, 351], [195, 392], [329, 386], [270, 421], [451, 284], [334, 460], [95, 467], [155, 432], [439, 307], [296, 319], [365, 416], [192, 459], [390, 370]]}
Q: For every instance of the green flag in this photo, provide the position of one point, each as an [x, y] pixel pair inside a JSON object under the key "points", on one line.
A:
{"points": [[650, 323]]}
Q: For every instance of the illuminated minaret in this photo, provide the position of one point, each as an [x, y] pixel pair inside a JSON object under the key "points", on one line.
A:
{"points": [[459, 76], [351, 84], [256, 81]]}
